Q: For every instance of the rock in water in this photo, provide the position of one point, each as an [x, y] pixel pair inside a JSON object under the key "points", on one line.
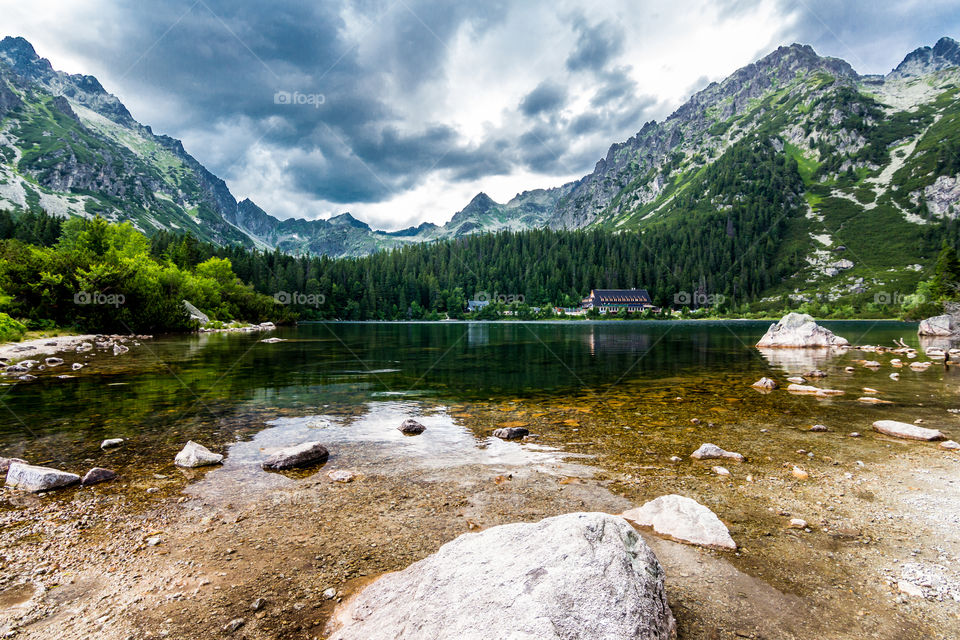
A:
{"points": [[683, 519], [709, 451], [302, 455], [196, 455], [111, 442], [906, 430], [33, 478], [579, 575], [765, 383], [97, 474], [950, 445], [938, 326], [510, 433], [411, 427], [799, 330]]}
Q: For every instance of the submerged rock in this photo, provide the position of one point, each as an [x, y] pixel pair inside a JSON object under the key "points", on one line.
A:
{"points": [[411, 427], [906, 430], [510, 433], [111, 442], [798, 330], [29, 477], [302, 455], [683, 519], [97, 474], [579, 575], [813, 391], [950, 445], [342, 475], [708, 451], [818, 428], [196, 455]]}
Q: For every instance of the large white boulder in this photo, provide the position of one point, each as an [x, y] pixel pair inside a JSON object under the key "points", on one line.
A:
{"points": [[798, 330], [907, 430], [33, 478], [196, 314], [196, 455], [579, 575], [683, 519], [938, 326]]}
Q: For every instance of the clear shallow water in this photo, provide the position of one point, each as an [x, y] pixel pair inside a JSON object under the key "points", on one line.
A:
{"points": [[606, 388]]}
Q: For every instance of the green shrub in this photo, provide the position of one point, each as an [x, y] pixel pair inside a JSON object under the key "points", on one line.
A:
{"points": [[11, 330]]}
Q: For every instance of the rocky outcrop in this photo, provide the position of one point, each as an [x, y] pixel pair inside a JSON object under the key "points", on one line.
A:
{"points": [[683, 519], [302, 455], [798, 330], [580, 575], [906, 430], [29, 477], [196, 455]]}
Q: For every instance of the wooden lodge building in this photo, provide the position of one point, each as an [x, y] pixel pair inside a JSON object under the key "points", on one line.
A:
{"points": [[613, 300]]}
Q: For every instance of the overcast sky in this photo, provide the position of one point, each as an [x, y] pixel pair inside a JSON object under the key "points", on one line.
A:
{"points": [[399, 111]]}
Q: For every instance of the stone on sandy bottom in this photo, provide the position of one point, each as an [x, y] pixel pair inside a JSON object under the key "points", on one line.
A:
{"points": [[819, 428], [196, 455], [906, 430], [950, 445], [111, 442], [302, 455], [708, 451], [510, 433], [29, 477], [97, 474], [683, 519], [411, 427], [798, 330], [579, 575]]}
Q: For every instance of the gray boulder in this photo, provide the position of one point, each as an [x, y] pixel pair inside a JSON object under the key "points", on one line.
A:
{"points": [[510, 433], [196, 314], [683, 519], [97, 474], [579, 575], [30, 477], [708, 451], [302, 455], [798, 330], [196, 455], [944, 325], [6, 462], [111, 442], [907, 430], [411, 427]]}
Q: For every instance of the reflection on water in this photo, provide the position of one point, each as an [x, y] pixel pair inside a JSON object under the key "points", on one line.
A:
{"points": [[238, 395], [368, 441]]}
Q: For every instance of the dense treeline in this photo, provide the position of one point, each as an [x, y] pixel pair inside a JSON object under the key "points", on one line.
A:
{"points": [[98, 276]]}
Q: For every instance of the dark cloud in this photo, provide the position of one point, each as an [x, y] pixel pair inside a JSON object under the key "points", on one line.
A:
{"points": [[547, 97], [596, 45]]}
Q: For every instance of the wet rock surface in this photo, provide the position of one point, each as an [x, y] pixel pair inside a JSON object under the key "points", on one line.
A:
{"points": [[301, 455]]}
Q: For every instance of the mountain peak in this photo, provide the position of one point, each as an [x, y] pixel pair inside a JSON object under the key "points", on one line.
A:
{"points": [[347, 220], [21, 55], [923, 60]]}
